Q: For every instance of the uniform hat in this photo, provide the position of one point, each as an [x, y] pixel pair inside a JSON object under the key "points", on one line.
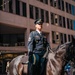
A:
{"points": [[38, 21]]}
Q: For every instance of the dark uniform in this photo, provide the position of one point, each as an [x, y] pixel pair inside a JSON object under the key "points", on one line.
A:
{"points": [[37, 44]]}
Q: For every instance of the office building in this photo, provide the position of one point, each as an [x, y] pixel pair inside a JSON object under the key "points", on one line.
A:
{"points": [[17, 21]]}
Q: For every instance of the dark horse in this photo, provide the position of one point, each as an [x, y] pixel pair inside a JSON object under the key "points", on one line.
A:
{"points": [[56, 61]]}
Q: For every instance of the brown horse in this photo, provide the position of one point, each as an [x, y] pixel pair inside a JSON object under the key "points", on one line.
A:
{"points": [[56, 60], [54, 63]]}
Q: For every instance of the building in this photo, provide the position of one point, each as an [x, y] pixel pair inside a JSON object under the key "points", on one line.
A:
{"points": [[17, 21]]}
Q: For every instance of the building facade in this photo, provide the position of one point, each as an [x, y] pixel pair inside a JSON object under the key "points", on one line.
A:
{"points": [[17, 21]]}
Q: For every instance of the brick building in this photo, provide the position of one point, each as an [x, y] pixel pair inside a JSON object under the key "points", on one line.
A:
{"points": [[17, 21]]}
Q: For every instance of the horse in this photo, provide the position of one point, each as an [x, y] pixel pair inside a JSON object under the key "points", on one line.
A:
{"points": [[54, 66], [57, 61]]}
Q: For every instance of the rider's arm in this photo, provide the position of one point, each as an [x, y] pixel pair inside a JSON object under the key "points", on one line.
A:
{"points": [[30, 43]]}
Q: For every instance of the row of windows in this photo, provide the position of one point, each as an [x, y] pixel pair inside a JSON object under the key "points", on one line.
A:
{"points": [[70, 8], [61, 21], [7, 40], [20, 7], [19, 39], [60, 4], [60, 38], [36, 13], [57, 4], [58, 20]]}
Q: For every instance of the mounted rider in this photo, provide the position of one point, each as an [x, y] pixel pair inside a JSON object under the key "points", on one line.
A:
{"points": [[37, 45]]}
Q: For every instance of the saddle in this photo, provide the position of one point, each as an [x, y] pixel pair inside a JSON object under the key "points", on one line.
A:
{"points": [[24, 59]]}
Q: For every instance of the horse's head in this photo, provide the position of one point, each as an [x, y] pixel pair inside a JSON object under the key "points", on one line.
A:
{"points": [[56, 59], [71, 51]]}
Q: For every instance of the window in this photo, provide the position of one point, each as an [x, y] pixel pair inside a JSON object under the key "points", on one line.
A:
{"points": [[55, 3], [1, 4], [68, 25], [65, 38], [7, 39], [56, 19], [64, 25], [66, 7], [42, 14], [59, 4], [62, 5], [73, 10], [53, 37], [60, 20], [36, 12], [31, 11], [46, 1], [61, 38], [51, 2], [10, 6], [69, 39], [57, 37], [70, 8], [13, 41], [47, 16], [17, 7], [20, 38], [73, 24], [1, 39], [52, 18], [24, 9]]}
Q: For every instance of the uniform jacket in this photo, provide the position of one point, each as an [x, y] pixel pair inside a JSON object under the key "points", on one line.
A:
{"points": [[37, 43]]}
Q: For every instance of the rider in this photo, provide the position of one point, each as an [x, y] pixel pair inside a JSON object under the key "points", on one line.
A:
{"points": [[37, 44]]}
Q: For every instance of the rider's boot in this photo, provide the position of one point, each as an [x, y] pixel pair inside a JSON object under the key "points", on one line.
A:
{"points": [[43, 67], [30, 68]]}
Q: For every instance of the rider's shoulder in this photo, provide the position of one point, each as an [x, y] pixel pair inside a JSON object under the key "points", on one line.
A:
{"points": [[33, 33]]}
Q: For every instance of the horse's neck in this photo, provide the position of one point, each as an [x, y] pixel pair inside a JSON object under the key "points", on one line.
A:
{"points": [[55, 64]]}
